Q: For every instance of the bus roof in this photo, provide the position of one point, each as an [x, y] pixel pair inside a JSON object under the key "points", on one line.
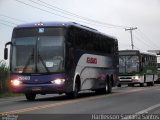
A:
{"points": [[132, 52], [61, 24]]}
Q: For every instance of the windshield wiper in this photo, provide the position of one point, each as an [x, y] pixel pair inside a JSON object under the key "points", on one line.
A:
{"points": [[28, 61], [43, 63]]}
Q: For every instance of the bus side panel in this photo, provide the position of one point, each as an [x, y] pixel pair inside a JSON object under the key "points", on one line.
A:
{"points": [[93, 70]]}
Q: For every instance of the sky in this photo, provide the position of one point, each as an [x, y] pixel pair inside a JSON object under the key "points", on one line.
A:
{"points": [[111, 17]]}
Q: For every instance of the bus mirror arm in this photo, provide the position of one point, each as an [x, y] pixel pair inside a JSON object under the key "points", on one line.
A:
{"points": [[6, 50]]}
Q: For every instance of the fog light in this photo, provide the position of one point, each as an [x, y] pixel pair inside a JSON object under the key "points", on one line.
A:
{"points": [[58, 81]]}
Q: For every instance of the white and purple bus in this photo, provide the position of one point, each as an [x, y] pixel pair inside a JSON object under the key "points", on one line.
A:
{"points": [[61, 57]]}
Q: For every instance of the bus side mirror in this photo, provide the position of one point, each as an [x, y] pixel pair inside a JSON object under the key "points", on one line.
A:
{"points": [[6, 50], [5, 53]]}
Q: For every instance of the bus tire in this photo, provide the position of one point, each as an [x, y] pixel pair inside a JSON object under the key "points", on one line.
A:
{"points": [[141, 84], [152, 83], [74, 94], [130, 85], [148, 84], [119, 85], [108, 86], [30, 96], [107, 89]]}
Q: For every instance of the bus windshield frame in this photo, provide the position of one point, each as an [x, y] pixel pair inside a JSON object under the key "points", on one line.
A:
{"points": [[129, 64], [38, 50]]}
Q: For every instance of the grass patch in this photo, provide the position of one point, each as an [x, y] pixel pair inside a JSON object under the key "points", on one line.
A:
{"points": [[9, 94]]}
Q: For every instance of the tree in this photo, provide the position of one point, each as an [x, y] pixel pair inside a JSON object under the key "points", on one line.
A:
{"points": [[4, 70]]}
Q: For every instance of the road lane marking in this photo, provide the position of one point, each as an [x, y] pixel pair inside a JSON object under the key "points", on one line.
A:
{"points": [[67, 102], [148, 109], [145, 111]]}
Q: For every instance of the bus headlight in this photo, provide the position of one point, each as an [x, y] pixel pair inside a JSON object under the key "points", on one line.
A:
{"points": [[16, 82], [136, 77], [58, 81]]}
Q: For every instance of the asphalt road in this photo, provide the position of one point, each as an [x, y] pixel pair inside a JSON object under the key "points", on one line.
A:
{"points": [[123, 102]]}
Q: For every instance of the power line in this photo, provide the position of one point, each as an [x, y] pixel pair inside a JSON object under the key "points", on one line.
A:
{"points": [[6, 25], [148, 41], [7, 22], [75, 15], [147, 38], [51, 12], [18, 20], [137, 48], [56, 14], [144, 42]]}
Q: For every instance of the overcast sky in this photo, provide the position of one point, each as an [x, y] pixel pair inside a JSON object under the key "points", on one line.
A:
{"points": [[103, 15]]}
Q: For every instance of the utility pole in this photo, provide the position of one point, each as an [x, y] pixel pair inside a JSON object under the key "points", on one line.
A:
{"points": [[130, 29]]}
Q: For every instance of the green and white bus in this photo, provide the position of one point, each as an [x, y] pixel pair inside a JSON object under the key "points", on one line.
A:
{"points": [[137, 67]]}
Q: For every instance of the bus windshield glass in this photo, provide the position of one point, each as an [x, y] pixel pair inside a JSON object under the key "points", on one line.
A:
{"points": [[37, 50], [128, 64]]}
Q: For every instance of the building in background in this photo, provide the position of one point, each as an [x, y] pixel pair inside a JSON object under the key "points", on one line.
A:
{"points": [[155, 51]]}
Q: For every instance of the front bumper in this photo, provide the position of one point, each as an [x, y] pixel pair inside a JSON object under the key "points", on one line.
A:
{"points": [[130, 81], [38, 88]]}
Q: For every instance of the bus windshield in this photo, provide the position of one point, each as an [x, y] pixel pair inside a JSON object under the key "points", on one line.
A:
{"points": [[128, 64], [42, 53]]}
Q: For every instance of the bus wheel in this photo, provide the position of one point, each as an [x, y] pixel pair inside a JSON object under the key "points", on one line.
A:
{"points": [[141, 84], [119, 85], [30, 96], [108, 86], [152, 83], [107, 89], [74, 94], [130, 85]]}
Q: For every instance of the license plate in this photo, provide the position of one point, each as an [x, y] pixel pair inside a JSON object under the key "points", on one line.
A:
{"points": [[127, 80], [36, 89]]}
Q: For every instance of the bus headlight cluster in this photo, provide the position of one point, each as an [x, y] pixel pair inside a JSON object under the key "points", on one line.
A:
{"points": [[136, 77], [58, 81], [16, 82]]}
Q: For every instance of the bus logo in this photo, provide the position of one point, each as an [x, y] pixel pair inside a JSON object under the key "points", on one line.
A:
{"points": [[91, 60]]}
